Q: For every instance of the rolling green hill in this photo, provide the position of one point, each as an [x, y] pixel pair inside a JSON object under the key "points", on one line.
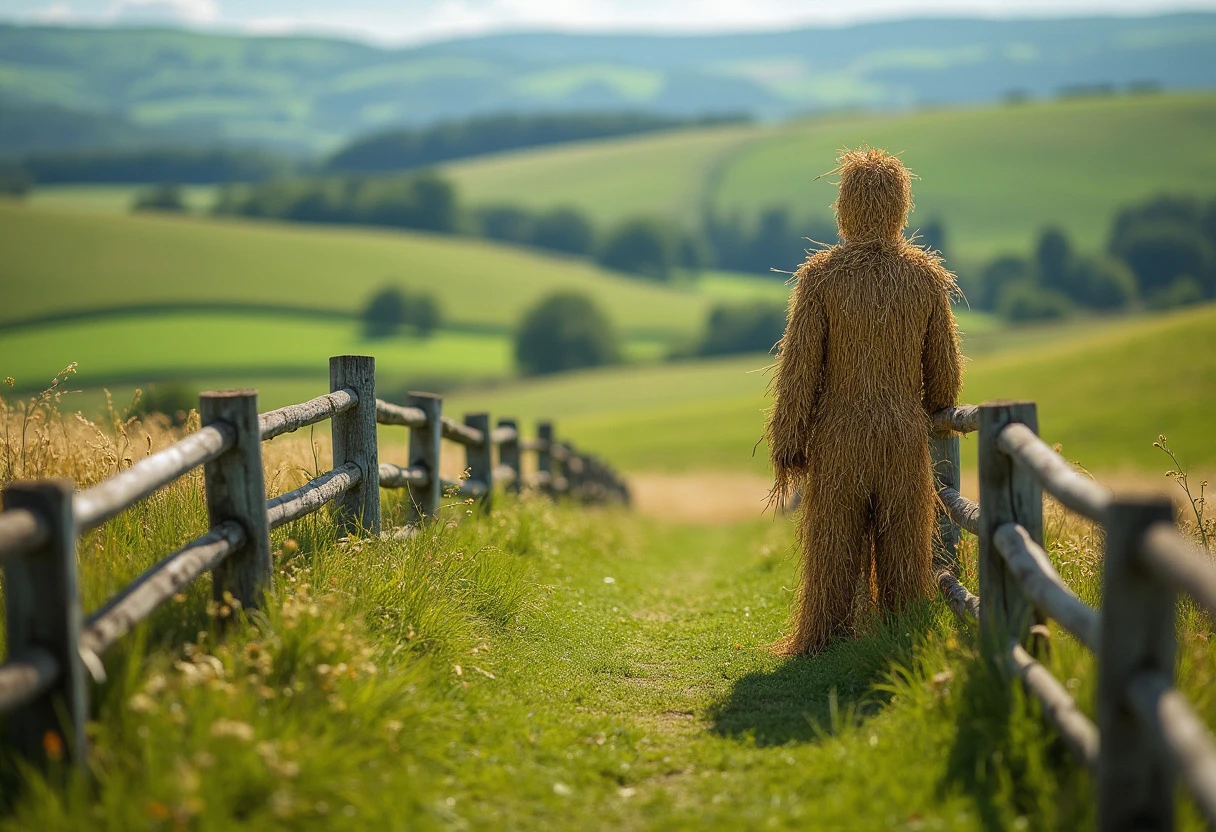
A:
{"points": [[138, 298], [995, 174], [120, 260], [1105, 392], [308, 94]]}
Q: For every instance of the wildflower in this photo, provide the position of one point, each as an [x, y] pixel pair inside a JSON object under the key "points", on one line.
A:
{"points": [[141, 703], [52, 746], [231, 728]]}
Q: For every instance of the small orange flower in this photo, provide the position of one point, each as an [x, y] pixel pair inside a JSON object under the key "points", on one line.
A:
{"points": [[158, 810], [52, 745]]}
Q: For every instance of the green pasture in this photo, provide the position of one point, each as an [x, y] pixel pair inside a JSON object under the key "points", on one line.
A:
{"points": [[250, 349], [57, 261], [995, 174], [173, 347], [558, 668], [110, 199], [1105, 391], [666, 175]]}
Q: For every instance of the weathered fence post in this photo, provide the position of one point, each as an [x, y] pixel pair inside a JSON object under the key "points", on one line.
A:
{"points": [[508, 454], [576, 469], [42, 603], [354, 440], [480, 459], [236, 490], [1007, 495], [1135, 771], [944, 456], [425, 445], [544, 456]]}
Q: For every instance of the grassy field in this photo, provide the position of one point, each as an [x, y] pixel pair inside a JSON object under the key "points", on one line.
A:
{"points": [[1105, 391], [117, 260], [557, 668], [120, 261], [110, 199], [995, 174], [256, 348]]}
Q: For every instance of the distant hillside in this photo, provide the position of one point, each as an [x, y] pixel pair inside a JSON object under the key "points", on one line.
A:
{"points": [[311, 94], [479, 136], [994, 175]]}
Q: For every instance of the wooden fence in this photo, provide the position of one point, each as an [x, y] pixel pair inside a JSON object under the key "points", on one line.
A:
{"points": [[53, 649], [1147, 736]]}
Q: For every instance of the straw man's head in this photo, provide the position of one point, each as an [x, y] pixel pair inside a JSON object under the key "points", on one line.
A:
{"points": [[875, 195]]}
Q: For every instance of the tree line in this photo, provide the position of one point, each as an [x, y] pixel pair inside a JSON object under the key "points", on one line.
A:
{"points": [[403, 149], [159, 159], [1160, 253]]}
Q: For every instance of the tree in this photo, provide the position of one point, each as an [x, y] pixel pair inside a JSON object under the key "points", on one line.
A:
{"points": [[565, 331], [1001, 272], [933, 236], [508, 223], [424, 314], [1101, 283], [749, 327], [1159, 252], [164, 197], [15, 181], [1053, 256], [385, 313], [564, 229], [1023, 301], [641, 246]]}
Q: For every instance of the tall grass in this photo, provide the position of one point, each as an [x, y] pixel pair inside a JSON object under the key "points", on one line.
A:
{"points": [[540, 665]]}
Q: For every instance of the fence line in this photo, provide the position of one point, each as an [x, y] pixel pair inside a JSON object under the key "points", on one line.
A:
{"points": [[53, 648], [1146, 735]]}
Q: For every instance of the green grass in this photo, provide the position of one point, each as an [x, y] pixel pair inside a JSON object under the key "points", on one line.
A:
{"points": [[1105, 390], [110, 199], [116, 260], [665, 175], [237, 348], [191, 345], [556, 668], [995, 174]]}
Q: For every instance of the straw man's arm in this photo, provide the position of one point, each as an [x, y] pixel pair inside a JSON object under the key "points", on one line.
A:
{"points": [[795, 384], [941, 360]]}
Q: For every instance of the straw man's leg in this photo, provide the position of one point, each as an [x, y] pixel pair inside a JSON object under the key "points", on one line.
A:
{"points": [[833, 533], [903, 533]]}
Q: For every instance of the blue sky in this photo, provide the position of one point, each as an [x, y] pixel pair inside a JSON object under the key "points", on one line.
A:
{"points": [[416, 20]]}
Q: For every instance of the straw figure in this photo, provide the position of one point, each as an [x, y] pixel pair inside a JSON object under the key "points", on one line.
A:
{"points": [[870, 351]]}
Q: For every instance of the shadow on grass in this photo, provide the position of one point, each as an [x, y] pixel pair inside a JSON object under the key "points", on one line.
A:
{"points": [[1008, 760], [805, 698]]}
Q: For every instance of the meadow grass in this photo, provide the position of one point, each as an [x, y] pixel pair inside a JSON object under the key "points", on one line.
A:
{"points": [[116, 260], [995, 174], [666, 175], [557, 667], [1105, 390], [249, 348], [111, 199], [542, 665]]}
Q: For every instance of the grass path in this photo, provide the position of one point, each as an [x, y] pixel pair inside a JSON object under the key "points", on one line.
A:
{"points": [[645, 697]]}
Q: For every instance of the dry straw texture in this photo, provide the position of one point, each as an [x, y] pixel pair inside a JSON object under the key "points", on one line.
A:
{"points": [[870, 350]]}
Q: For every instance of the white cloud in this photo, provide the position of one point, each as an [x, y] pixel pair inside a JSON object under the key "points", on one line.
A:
{"points": [[179, 11], [55, 13]]}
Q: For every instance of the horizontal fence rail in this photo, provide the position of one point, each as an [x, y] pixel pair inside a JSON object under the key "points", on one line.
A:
{"points": [[296, 416], [53, 646], [1146, 732], [111, 497]]}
